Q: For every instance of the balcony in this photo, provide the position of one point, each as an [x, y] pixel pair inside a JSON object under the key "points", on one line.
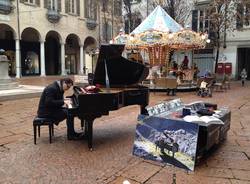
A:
{"points": [[5, 7], [53, 16], [91, 23]]}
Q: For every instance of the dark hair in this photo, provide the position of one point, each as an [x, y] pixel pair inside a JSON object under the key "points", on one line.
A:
{"points": [[67, 81]]}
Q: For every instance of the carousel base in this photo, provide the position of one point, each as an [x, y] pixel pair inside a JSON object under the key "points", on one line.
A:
{"points": [[180, 88]]}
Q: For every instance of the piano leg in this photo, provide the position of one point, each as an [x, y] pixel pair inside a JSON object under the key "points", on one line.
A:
{"points": [[82, 124], [89, 133], [143, 110]]}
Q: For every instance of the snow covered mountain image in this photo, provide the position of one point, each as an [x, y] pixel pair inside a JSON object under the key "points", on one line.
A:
{"points": [[166, 140]]}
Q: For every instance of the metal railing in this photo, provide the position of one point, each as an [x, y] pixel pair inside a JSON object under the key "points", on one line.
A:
{"points": [[53, 16]]}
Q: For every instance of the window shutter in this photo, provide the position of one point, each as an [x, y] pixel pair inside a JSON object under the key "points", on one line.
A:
{"points": [[247, 13], [105, 31], [38, 2], [239, 19], [66, 6], [78, 7], [45, 4], [194, 20], [85, 8], [109, 34], [95, 9], [59, 5]]}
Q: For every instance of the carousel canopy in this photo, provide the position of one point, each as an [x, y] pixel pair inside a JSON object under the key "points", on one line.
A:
{"points": [[158, 20]]}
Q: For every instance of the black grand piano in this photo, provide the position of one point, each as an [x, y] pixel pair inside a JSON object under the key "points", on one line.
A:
{"points": [[119, 79]]}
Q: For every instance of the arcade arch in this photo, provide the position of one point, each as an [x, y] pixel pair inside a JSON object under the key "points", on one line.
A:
{"points": [[72, 54], [7, 42], [52, 53], [90, 46], [30, 51]]}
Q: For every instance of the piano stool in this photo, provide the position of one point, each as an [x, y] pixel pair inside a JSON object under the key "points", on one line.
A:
{"points": [[38, 122]]}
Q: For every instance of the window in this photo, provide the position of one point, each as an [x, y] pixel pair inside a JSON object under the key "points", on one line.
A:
{"points": [[247, 15], [105, 4], [243, 16], [201, 22], [118, 7], [90, 7], [32, 2], [72, 7], [53, 5], [107, 32], [135, 1], [194, 20]]}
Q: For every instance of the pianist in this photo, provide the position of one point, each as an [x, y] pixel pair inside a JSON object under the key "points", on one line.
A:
{"points": [[52, 104]]}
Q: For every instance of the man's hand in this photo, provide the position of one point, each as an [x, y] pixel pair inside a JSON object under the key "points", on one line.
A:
{"points": [[68, 102]]}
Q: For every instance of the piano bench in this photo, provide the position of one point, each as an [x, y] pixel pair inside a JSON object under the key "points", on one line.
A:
{"points": [[38, 122]]}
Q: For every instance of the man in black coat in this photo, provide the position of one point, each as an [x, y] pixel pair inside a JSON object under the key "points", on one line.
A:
{"points": [[52, 102]]}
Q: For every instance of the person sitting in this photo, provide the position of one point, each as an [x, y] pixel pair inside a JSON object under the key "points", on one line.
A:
{"points": [[205, 74], [175, 67], [52, 102], [185, 63], [205, 89]]}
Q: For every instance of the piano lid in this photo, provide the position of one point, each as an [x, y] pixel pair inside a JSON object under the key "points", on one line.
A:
{"points": [[121, 71]]}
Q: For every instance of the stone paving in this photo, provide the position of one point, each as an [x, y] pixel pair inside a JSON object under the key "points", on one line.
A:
{"points": [[112, 161]]}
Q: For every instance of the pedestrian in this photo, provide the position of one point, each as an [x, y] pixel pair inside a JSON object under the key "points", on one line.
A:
{"points": [[243, 76], [52, 105], [171, 88], [196, 71], [185, 63], [84, 70]]}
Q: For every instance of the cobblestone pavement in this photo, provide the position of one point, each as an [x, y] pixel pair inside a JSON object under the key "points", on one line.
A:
{"points": [[112, 161]]}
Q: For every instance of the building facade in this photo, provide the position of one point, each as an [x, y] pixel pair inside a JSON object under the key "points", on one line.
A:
{"points": [[50, 37], [236, 49]]}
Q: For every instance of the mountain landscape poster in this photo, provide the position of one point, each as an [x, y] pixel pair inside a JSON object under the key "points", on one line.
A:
{"points": [[167, 141]]}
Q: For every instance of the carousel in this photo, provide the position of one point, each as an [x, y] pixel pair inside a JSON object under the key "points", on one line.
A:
{"points": [[154, 42]]}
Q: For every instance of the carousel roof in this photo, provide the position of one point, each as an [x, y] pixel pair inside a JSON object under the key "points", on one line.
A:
{"points": [[158, 20]]}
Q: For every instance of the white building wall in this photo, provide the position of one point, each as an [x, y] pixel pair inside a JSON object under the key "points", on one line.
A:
{"points": [[231, 56], [236, 39]]}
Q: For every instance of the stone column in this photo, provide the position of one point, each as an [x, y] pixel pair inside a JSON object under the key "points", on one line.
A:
{"points": [[81, 59], [42, 58], [63, 59], [198, 21], [18, 59]]}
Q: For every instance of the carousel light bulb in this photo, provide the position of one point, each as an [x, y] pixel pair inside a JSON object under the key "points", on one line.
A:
{"points": [[203, 37], [131, 38], [208, 40], [170, 36]]}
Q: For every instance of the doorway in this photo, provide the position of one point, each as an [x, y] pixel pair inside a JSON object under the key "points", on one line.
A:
{"points": [[71, 64], [52, 51], [243, 61]]}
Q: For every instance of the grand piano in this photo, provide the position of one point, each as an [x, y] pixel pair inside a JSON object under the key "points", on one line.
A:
{"points": [[119, 79]]}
